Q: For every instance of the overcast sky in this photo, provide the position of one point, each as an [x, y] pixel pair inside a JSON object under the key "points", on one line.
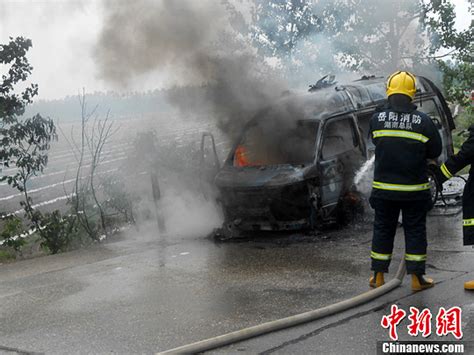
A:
{"points": [[64, 33]]}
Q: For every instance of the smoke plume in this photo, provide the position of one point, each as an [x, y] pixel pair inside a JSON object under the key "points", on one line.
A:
{"points": [[214, 68], [194, 42]]}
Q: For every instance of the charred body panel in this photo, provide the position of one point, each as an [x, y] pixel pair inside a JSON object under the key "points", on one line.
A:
{"points": [[279, 177], [274, 198]]}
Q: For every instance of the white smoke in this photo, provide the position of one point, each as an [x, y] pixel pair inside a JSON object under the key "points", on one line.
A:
{"points": [[187, 213], [364, 176]]}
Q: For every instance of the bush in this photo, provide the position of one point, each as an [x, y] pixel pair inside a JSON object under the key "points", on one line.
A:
{"points": [[12, 228], [119, 202], [57, 231], [6, 255]]}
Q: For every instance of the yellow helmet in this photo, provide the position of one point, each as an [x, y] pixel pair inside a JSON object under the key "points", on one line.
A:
{"points": [[401, 82]]}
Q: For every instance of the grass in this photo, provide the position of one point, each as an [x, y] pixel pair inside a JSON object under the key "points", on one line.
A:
{"points": [[6, 256]]}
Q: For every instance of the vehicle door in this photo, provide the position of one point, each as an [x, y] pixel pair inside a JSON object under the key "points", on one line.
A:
{"points": [[433, 109], [341, 154], [363, 120]]}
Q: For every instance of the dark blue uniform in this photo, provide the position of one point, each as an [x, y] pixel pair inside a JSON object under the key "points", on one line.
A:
{"points": [[455, 163], [404, 139]]}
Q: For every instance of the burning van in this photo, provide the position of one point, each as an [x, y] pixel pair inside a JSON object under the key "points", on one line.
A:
{"points": [[294, 164]]}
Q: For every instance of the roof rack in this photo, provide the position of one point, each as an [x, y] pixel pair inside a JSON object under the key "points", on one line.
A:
{"points": [[325, 82], [369, 77]]}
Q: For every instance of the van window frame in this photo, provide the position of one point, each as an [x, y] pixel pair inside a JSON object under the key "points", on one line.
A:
{"points": [[315, 151], [356, 141]]}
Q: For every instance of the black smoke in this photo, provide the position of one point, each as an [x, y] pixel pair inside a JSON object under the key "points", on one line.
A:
{"points": [[215, 68]]}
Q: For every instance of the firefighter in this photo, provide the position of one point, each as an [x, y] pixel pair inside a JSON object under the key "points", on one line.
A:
{"points": [[454, 164], [404, 139]]}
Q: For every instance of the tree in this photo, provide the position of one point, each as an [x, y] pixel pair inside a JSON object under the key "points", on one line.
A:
{"points": [[377, 35], [25, 142], [280, 24], [13, 105], [84, 198], [362, 36], [458, 79]]}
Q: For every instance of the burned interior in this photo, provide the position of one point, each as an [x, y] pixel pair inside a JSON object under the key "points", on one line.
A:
{"points": [[294, 163]]}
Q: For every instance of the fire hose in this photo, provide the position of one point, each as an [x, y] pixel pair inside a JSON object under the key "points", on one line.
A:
{"points": [[265, 328], [298, 319], [439, 188]]}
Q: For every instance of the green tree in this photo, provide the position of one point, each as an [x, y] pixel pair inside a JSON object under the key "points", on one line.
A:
{"points": [[458, 81], [364, 36], [281, 24], [383, 35], [25, 142]]}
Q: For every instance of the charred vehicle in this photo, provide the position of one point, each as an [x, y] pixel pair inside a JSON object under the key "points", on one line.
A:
{"points": [[293, 165]]}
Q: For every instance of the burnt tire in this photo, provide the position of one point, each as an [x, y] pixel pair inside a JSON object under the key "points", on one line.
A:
{"points": [[434, 190], [351, 208], [226, 232]]}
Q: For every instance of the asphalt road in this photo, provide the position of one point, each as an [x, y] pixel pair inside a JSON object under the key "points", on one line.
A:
{"points": [[142, 292]]}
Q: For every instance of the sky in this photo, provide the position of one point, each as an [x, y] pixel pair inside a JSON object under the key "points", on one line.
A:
{"points": [[64, 33]]}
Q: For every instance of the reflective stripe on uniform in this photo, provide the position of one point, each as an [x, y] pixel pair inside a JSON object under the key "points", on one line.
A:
{"points": [[415, 257], [468, 222], [446, 172], [378, 256], [397, 187], [400, 134]]}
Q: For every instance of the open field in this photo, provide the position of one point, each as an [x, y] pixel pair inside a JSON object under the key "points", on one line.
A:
{"points": [[51, 189]]}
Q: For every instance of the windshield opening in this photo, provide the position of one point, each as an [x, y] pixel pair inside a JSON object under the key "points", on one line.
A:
{"points": [[262, 144]]}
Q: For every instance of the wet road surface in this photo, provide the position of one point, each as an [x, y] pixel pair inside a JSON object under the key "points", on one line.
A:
{"points": [[142, 292]]}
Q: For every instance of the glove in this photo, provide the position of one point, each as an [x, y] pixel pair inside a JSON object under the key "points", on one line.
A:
{"points": [[438, 177]]}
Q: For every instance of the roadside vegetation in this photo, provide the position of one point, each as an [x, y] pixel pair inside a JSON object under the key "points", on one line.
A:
{"points": [[93, 212]]}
